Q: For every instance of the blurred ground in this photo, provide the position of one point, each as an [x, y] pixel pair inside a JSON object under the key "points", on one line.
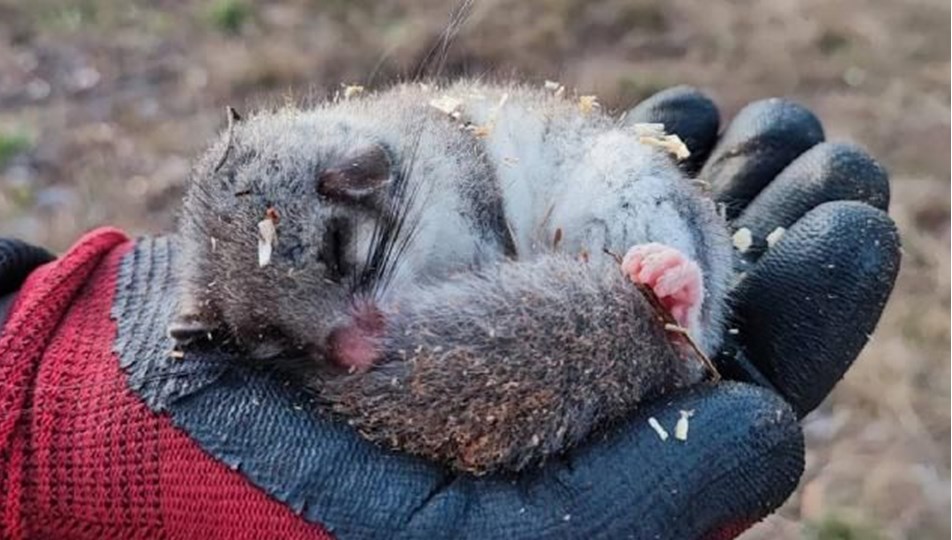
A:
{"points": [[104, 102]]}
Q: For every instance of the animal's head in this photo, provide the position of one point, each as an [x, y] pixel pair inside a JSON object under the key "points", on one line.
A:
{"points": [[284, 226]]}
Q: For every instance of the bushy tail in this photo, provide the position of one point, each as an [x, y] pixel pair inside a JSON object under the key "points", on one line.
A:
{"points": [[499, 369]]}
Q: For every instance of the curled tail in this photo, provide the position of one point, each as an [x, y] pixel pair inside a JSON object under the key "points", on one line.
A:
{"points": [[501, 368]]}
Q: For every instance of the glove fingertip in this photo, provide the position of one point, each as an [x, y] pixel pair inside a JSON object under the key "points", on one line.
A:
{"points": [[761, 141], [810, 304], [686, 112], [825, 173]]}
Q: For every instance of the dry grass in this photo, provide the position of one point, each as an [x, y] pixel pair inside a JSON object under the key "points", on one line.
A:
{"points": [[103, 102]]}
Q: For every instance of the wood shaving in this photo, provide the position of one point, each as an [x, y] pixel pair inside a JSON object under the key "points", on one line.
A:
{"points": [[587, 104], [448, 105], [704, 185], [775, 236], [352, 90], [669, 143], [681, 428], [557, 89], [481, 132], [267, 237], [655, 425], [643, 129], [743, 239]]}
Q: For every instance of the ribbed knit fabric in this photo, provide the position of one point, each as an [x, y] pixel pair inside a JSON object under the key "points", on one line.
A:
{"points": [[81, 456]]}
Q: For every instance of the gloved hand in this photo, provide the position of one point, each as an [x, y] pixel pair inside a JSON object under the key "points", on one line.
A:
{"points": [[805, 307], [90, 448]]}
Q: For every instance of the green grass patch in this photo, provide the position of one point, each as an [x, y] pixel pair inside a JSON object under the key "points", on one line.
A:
{"points": [[832, 42], [229, 16], [12, 144], [836, 527]]}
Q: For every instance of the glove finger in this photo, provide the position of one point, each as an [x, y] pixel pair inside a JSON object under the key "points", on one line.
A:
{"points": [[761, 141], [807, 308], [742, 457], [686, 112], [17, 260], [827, 172]]}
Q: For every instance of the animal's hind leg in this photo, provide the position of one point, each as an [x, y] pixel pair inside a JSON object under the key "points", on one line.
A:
{"points": [[675, 279]]}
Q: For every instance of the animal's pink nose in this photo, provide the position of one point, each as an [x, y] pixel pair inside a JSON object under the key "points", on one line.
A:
{"points": [[355, 346]]}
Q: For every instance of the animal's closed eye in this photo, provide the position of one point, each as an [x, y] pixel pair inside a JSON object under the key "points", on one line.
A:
{"points": [[335, 250]]}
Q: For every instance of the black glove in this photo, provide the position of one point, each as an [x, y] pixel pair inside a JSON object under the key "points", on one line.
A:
{"points": [[17, 260], [802, 311], [806, 308]]}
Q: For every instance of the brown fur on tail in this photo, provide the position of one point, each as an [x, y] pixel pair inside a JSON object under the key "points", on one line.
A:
{"points": [[499, 369]]}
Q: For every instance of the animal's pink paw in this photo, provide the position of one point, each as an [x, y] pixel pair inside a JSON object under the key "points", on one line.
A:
{"points": [[675, 279]]}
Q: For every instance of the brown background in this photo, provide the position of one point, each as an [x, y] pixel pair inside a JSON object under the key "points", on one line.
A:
{"points": [[103, 103]]}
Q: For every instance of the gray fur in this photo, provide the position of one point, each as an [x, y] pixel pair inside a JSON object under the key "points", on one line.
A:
{"points": [[499, 348]]}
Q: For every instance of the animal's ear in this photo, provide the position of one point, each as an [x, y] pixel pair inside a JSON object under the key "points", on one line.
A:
{"points": [[233, 118], [358, 177]]}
